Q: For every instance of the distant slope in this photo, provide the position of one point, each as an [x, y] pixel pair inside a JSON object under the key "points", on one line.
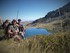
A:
{"points": [[26, 22], [55, 14]]}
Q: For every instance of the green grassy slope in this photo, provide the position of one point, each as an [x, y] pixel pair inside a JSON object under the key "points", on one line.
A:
{"points": [[54, 43]]}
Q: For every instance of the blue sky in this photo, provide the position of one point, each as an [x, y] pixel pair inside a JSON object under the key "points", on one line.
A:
{"points": [[28, 9]]}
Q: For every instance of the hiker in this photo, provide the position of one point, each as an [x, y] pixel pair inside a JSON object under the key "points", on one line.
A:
{"points": [[5, 24], [21, 28], [5, 27], [13, 31]]}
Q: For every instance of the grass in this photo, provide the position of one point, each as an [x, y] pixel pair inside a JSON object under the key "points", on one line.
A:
{"points": [[54, 43], [1, 32]]}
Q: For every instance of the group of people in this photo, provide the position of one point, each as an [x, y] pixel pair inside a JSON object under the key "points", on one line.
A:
{"points": [[13, 29]]}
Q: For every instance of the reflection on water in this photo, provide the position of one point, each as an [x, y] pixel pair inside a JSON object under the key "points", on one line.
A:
{"points": [[34, 31]]}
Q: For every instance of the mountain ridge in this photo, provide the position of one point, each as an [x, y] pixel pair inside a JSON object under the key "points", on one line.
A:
{"points": [[54, 14]]}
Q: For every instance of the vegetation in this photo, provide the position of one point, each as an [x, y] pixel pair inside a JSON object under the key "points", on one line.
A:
{"points": [[58, 42], [54, 43]]}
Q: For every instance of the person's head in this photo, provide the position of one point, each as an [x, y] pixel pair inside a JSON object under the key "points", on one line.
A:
{"points": [[19, 20], [14, 22], [7, 21]]}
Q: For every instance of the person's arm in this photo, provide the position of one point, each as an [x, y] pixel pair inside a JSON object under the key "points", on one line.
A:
{"points": [[16, 31], [24, 29], [9, 31]]}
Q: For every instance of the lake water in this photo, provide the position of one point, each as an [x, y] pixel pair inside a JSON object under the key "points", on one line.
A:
{"points": [[35, 31]]}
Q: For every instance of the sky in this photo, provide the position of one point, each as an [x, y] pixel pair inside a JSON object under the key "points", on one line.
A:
{"points": [[28, 10]]}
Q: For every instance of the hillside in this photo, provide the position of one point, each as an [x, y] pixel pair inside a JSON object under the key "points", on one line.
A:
{"points": [[55, 15], [25, 23], [55, 43]]}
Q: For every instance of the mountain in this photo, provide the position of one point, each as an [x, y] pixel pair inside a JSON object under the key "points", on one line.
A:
{"points": [[55, 14]]}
